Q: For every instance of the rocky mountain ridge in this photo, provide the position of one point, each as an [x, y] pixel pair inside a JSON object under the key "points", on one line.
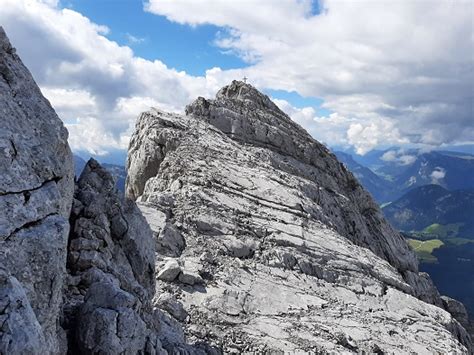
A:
{"points": [[263, 231], [117, 171], [254, 231]]}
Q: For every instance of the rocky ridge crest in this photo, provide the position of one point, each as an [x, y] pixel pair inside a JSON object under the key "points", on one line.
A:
{"points": [[269, 244]]}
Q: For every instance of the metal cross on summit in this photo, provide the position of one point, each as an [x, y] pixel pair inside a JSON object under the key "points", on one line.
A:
{"points": [[244, 79]]}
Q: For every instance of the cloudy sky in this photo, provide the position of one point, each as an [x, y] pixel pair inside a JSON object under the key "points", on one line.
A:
{"points": [[356, 74]]}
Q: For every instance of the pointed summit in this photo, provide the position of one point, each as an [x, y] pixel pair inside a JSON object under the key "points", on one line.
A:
{"points": [[239, 90], [237, 93], [247, 115]]}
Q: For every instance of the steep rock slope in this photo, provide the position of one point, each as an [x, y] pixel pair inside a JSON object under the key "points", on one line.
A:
{"points": [[271, 243], [111, 268], [36, 187]]}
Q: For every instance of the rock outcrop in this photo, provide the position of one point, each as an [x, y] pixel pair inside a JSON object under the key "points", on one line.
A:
{"points": [[84, 289], [111, 276], [36, 187], [267, 243], [110, 270]]}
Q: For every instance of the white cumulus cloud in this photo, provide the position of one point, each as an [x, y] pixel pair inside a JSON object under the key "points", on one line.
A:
{"points": [[403, 65], [97, 86], [437, 175], [400, 157]]}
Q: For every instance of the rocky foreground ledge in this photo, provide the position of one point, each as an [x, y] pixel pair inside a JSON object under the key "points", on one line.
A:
{"points": [[260, 240]]}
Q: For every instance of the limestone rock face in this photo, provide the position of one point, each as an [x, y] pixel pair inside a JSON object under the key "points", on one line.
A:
{"points": [[20, 333], [36, 187], [457, 309], [269, 244], [111, 271]]}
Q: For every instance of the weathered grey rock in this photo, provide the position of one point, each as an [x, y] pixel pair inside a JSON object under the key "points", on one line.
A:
{"points": [[239, 248], [20, 331], [457, 309], [36, 187], [111, 267], [102, 302], [170, 241], [294, 255], [169, 271], [190, 278], [171, 305], [108, 322]]}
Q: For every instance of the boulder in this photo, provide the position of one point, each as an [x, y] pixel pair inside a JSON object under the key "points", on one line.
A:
{"points": [[170, 271]]}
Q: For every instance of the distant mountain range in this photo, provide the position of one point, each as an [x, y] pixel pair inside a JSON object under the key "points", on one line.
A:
{"points": [[424, 206], [389, 174], [448, 169], [380, 189]]}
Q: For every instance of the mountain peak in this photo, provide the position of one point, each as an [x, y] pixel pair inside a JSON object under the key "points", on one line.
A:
{"points": [[241, 91], [237, 93], [238, 179]]}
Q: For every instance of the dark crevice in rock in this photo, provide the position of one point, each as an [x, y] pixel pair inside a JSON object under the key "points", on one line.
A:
{"points": [[15, 151], [30, 224], [26, 196], [55, 179]]}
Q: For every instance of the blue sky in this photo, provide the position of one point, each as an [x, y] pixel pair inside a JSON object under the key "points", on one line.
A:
{"points": [[182, 47], [185, 48], [399, 73]]}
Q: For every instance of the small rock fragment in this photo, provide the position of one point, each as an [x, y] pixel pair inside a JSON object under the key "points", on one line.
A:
{"points": [[170, 271]]}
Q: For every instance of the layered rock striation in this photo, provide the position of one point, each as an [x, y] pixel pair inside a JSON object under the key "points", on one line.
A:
{"points": [[267, 243]]}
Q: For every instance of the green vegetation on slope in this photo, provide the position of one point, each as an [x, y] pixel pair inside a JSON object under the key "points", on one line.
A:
{"points": [[424, 249], [443, 231]]}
